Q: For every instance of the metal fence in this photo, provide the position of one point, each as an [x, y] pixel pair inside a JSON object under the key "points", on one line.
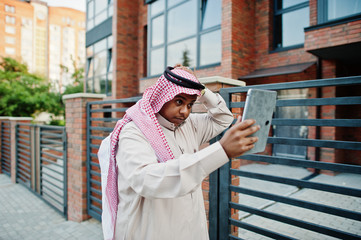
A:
{"points": [[5, 148], [101, 119], [41, 162], [281, 193]]}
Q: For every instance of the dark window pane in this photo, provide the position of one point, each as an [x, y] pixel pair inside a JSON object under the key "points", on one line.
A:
{"points": [[90, 68], [342, 8], [182, 52], [157, 31], [182, 21], [212, 13], [110, 60], [211, 48]]}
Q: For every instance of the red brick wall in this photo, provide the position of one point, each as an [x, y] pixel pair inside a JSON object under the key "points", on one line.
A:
{"points": [[125, 37], [75, 110], [333, 36], [265, 58], [313, 12]]}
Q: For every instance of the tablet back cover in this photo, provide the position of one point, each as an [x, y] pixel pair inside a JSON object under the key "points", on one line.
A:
{"points": [[260, 105]]}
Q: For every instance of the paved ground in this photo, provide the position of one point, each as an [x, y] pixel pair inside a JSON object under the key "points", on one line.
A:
{"points": [[25, 216], [329, 199]]}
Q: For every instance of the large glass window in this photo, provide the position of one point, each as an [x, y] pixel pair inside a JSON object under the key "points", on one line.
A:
{"points": [[291, 17], [184, 31], [99, 67], [329, 10], [98, 11]]}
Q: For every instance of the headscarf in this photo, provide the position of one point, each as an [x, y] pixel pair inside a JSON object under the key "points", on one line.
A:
{"points": [[143, 115]]}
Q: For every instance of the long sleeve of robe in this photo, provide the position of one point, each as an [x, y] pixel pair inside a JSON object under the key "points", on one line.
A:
{"points": [[164, 200]]}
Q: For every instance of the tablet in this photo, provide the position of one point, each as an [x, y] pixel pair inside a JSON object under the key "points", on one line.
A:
{"points": [[259, 106]]}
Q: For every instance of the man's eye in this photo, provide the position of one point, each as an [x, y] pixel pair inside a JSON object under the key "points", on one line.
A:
{"points": [[178, 102], [190, 105]]}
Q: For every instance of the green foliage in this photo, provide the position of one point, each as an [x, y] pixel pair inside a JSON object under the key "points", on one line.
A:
{"points": [[186, 60], [57, 122], [78, 76], [23, 93], [76, 88]]}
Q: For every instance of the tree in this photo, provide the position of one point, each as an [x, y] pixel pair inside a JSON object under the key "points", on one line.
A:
{"points": [[25, 94], [77, 75], [186, 60]]}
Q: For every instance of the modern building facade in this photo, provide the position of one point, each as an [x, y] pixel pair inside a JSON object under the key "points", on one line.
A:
{"points": [[129, 44], [43, 38]]}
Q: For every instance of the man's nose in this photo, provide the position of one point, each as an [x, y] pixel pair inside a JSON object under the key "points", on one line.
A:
{"points": [[184, 110]]}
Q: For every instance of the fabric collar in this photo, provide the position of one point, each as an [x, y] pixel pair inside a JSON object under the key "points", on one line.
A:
{"points": [[165, 123]]}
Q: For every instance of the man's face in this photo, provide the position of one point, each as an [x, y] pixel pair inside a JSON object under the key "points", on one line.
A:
{"points": [[178, 109]]}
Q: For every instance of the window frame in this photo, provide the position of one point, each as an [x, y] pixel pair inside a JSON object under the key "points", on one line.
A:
{"points": [[199, 33], [278, 13], [9, 8], [106, 11], [322, 14], [90, 60]]}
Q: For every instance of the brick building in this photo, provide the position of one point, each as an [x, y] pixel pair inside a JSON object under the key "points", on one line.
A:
{"points": [[129, 44], [43, 37]]}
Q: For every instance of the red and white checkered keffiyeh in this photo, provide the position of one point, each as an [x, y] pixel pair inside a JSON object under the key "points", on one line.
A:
{"points": [[143, 115]]}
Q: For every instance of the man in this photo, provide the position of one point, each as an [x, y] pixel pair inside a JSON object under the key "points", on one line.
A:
{"points": [[153, 187]]}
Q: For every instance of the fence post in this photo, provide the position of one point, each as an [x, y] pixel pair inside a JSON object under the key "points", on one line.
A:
{"points": [[75, 123]]}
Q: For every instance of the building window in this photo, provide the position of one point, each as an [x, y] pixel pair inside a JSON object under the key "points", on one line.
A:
{"points": [[290, 19], [98, 11], [10, 30], [194, 40], [329, 10], [10, 40], [10, 19], [100, 67], [10, 9], [10, 51]]}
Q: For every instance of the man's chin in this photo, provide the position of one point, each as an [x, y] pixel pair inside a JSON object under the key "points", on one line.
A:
{"points": [[178, 121]]}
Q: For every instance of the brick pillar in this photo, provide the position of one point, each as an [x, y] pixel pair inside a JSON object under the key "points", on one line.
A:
{"points": [[75, 123], [125, 48], [13, 121], [238, 37]]}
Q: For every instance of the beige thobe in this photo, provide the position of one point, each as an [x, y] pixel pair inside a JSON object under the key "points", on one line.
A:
{"points": [[164, 200]]}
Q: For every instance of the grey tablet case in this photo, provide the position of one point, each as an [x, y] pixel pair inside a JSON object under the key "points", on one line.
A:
{"points": [[260, 105]]}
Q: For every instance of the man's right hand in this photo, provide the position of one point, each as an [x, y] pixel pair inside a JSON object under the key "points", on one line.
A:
{"points": [[235, 141]]}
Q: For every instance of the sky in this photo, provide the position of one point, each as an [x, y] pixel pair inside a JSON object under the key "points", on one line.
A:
{"points": [[76, 4]]}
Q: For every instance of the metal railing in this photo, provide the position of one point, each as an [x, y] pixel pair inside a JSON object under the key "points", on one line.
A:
{"points": [[5, 148], [53, 166], [41, 157], [25, 172], [101, 119], [249, 201]]}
